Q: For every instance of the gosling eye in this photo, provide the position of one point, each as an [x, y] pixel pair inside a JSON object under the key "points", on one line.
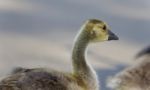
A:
{"points": [[104, 28]]}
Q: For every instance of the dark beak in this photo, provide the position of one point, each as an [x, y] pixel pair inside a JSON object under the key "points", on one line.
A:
{"points": [[112, 36]]}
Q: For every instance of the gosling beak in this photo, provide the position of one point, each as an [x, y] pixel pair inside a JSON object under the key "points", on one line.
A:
{"points": [[112, 36]]}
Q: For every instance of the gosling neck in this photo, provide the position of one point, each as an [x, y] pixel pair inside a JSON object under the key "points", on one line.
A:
{"points": [[81, 68], [79, 52]]}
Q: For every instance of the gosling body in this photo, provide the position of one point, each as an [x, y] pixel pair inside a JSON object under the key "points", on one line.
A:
{"points": [[136, 77]]}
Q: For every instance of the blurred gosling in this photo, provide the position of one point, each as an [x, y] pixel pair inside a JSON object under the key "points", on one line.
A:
{"points": [[136, 77]]}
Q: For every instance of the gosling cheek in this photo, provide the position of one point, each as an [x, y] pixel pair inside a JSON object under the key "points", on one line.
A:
{"points": [[104, 37]]}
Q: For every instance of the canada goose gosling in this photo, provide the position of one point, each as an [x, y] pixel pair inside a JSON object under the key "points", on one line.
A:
{"points": [[135, 77], [92, 31], [83, 76]]}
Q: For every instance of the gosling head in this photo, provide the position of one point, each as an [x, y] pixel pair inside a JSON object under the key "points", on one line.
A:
{"points": [[98, 31]]}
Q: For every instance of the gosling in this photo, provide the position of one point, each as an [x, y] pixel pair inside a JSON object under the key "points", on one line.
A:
{"points": [[136, 77], [82, 77]]}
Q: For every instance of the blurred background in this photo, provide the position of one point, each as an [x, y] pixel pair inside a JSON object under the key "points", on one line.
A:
{"points": [[40, 33]]}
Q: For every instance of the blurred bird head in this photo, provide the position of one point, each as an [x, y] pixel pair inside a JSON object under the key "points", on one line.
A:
{"points": [[143, 52]]}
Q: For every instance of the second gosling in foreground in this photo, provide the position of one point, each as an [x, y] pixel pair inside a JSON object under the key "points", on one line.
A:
{"points": [[135, 77]]}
